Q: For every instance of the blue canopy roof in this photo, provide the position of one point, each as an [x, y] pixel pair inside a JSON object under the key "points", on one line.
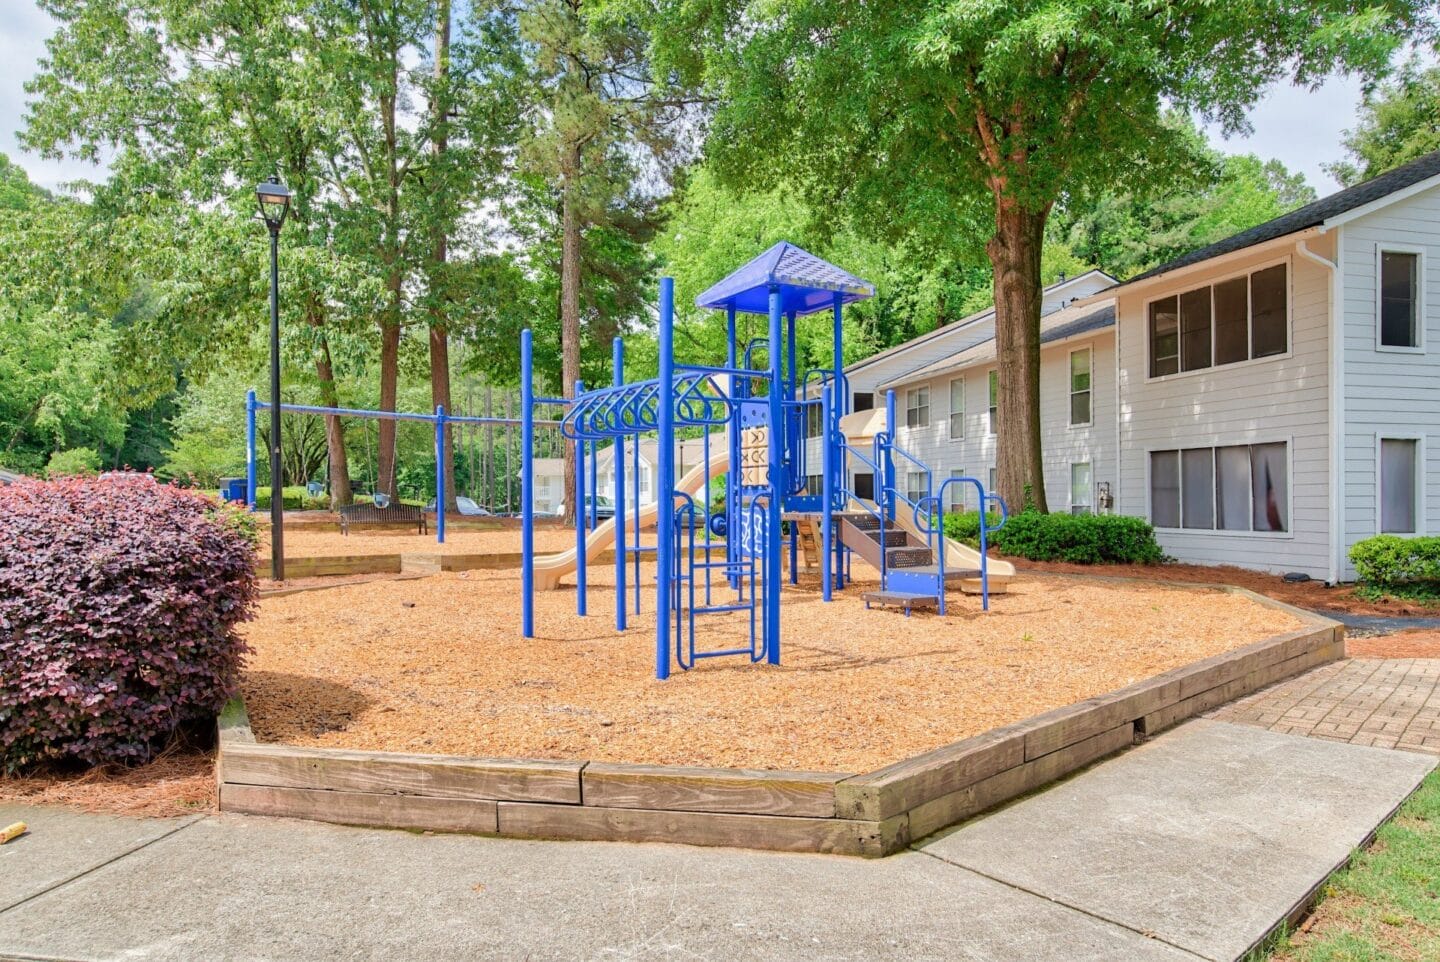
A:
{"points": [[807, 284]]}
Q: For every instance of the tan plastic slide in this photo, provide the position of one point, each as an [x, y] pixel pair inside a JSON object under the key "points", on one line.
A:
{"points": [[549, 569]]}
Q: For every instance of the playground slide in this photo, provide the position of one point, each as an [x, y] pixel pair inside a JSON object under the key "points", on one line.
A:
{"points": [[549, 569]]}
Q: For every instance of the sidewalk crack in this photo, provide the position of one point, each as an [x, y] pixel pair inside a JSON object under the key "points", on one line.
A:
{"points": [[95, 868], [1074, 908]]}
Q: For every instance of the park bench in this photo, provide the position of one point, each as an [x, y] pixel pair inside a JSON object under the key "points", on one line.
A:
{"points": [[394, 514]]}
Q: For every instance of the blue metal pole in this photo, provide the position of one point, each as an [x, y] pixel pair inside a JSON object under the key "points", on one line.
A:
{"points": [[594, 487], [827, 490], [778, 483], [440, 474], [733, 475], [838, 401], [665, 483], [250, 449], [580, 516], [617, 362], [888, 465], [527, 485]]}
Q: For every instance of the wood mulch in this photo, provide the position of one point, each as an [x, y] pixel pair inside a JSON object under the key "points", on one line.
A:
{"points": [[437, 665]]}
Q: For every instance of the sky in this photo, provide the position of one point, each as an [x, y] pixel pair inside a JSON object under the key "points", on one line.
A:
{"points": [[1301, 128]]}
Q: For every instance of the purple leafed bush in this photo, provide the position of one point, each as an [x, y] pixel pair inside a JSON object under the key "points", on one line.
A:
{"points": [[119, 605]]}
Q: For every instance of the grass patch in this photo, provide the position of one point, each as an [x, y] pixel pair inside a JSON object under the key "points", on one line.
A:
{"points": [[1386, 905]]}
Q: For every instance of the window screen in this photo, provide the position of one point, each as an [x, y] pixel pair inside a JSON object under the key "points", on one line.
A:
{"points": [[1164, 337], [1080, 387], [1197, 484], [1268, 333], [1165, 489], [1195, 329], [1232, 321], [957, 408], [1397, 486]]}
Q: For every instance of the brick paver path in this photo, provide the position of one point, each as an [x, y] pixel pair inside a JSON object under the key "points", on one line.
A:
{"points": [[1388, 703]]}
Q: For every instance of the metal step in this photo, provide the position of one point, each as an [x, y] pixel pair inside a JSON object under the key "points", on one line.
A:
{"points": [[911, 557], [901, 599]]}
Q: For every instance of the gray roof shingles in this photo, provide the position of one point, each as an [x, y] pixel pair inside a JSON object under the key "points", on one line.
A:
{"points": [[1422, 168]]}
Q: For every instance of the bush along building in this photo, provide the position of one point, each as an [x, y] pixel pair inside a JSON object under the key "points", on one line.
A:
{"points": [[1267, 401]]}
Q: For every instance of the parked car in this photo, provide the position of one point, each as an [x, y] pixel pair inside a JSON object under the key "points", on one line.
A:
{"points": [[467, 507], [604, 508]]}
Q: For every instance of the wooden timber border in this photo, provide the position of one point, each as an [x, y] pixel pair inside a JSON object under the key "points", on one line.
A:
{"points": [[873, 814], [411, 562]]}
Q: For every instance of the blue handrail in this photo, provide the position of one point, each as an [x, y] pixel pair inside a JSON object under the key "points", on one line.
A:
{"points": [[985, 530]]}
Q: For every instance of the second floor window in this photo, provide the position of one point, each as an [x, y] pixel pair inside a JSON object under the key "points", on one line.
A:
{"points": [[1399, 299], [1234, 320], [957, 408], [1080, 386], [994, 398], [917, 407]]}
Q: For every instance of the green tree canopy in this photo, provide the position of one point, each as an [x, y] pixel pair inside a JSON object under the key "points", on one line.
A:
{"points": [[964, 123], [1398, 121]]}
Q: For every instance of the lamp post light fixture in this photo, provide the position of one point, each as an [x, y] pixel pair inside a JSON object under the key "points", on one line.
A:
{"points": [[274, 201]]}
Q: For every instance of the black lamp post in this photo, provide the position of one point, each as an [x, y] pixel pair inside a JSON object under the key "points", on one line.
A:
{"points": [[274, 205]]}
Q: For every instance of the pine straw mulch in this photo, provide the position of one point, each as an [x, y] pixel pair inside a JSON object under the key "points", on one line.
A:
{"points": [[179, 781], [437, 665]]}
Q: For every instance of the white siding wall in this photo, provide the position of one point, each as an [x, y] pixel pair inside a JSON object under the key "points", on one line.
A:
{"points": [[1063, 444], [1272, 399], [1389, 393], [866, 377]]}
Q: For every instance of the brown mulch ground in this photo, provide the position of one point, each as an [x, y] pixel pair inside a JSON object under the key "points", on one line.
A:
{"points": [[437, 665], [1312, 595], [180, 781]]}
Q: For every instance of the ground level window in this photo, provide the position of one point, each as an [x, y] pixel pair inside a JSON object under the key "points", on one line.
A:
{"points": [[1398, 462], [955, 494], [915, 486], [1082, 500], [994, 482], [814, 420], [1242, 487], [814, 485]]}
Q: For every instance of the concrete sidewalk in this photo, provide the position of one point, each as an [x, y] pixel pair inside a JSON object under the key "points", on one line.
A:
{"points": [[1189, 847]]}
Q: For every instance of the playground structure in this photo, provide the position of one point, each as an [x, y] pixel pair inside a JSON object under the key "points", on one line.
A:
{"points": [[751, 414]]}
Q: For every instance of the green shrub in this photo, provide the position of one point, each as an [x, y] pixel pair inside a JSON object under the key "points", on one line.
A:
{"points": [[74, 463], [1077, 539], [1403, 565]]}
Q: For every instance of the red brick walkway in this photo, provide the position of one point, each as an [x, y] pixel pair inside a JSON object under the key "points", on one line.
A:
{"points": [[1388, 703]]}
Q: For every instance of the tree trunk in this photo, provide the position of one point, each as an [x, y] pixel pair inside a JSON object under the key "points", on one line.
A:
{"points": [[340, 491], [1015, 256], [439, 253], [569, 306], [389, 394]]}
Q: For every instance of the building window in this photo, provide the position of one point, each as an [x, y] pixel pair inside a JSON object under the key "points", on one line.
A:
{"points": [[1235, 320], [957, 408], [1399, 299], [864, 401], [1398, 510], [917, 407], [1234, 488], [916, 486], [1082, 492], [994, 482], [814, 419], [1080, 386], [814, 485], [956, 492], [994, 402]]}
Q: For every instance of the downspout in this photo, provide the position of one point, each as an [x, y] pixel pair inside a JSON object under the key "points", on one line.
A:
{"points": [[1336, 336]]}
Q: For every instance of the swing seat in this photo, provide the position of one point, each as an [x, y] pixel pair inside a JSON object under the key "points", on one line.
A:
{"points": [[394, 514]]}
